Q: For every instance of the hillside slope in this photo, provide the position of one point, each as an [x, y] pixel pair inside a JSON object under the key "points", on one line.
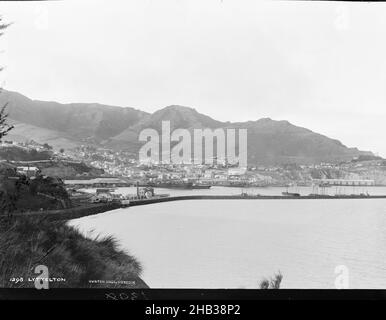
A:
{"points": [[67, 125], [80, 121]]}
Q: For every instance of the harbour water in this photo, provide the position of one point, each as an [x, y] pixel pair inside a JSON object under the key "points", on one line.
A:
{"points": [[235, 243]]}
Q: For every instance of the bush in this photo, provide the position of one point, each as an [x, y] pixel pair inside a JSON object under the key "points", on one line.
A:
{"points": [[272, 283], [27, 194]]}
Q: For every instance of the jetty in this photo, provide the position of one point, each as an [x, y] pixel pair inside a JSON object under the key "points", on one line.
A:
{"points": [[139, 202]]}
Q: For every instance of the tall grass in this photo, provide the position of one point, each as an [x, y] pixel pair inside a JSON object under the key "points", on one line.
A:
{"points": [[26, 242], [271, 283]]}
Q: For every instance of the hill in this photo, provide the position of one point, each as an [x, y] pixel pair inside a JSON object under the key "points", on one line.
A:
{"points": [[75, 122], [64, 125], [269, 141]]}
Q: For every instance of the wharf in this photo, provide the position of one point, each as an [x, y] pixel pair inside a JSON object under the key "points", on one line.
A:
{"points": [[248, 197]]}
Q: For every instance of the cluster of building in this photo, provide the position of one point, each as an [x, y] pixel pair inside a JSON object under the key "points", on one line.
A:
{"points": [[371, 170], [123, 164], [251, 176], [26, 145]]}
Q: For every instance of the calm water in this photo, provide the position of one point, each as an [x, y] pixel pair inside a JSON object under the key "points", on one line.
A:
{"points": [[234, 243]]}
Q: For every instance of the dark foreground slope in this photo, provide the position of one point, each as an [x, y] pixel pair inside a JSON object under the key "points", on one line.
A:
{"points": [[28, 242]]}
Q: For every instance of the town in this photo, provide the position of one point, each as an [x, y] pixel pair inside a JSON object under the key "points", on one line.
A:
{"points": [[88, 162]]}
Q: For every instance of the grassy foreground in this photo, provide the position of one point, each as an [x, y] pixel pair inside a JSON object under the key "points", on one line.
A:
{"points": [[26, 242]]}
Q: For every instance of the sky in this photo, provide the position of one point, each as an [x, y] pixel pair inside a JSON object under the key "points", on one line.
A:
{"points": [[319, 65]]}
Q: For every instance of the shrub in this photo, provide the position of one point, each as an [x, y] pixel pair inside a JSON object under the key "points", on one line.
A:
{"points": [[272, 283]]}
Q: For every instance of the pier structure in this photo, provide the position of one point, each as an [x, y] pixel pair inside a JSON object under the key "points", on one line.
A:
{"points": [[97, 183], [344, 182]]}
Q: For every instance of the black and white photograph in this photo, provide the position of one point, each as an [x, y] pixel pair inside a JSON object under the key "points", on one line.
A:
{"points": [[192, 145]]}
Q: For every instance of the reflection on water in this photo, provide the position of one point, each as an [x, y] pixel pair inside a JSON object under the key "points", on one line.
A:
{"points": [[234, 243]]}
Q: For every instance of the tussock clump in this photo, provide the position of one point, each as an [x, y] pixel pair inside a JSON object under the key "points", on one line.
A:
{"points": [[272, 283], [26, 242]]}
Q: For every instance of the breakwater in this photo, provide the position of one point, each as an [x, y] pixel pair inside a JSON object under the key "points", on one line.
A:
{"points": [[92, 209], [247, 197]]}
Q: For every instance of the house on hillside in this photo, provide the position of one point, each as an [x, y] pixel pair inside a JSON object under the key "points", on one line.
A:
{"points": [[28, 171]]}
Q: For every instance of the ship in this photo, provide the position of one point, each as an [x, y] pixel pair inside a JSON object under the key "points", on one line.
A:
{"points": [[201, 186], [324, 185], [178, 185], [290, 194], [236, 184]]}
